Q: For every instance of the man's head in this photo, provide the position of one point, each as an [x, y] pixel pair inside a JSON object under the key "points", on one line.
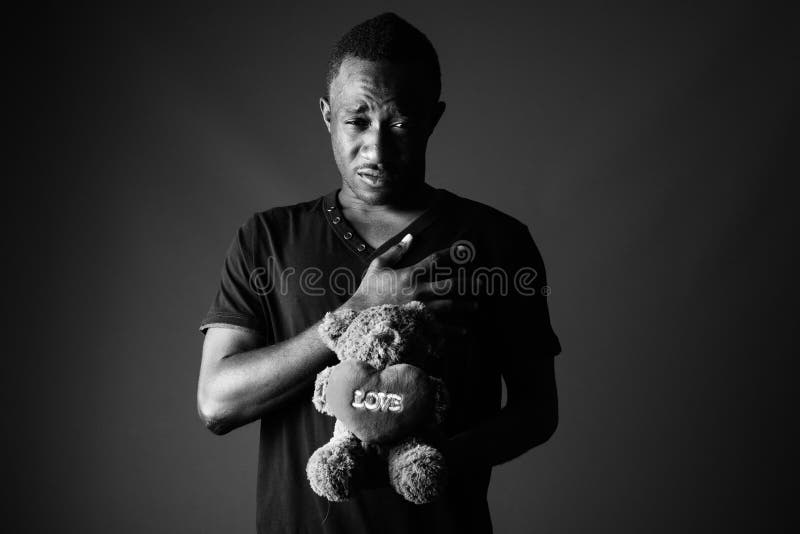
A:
{"points": [[382, 104]]}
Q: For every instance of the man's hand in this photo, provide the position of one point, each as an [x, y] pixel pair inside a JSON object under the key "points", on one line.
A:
{"points": [[383, 284], [240, 380]]}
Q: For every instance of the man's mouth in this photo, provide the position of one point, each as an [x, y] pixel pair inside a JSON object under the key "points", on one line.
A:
{"points": [[374, 178]]}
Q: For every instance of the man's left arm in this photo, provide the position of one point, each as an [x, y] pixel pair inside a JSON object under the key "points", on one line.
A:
{"points": [[528, 419], [526, 346]]}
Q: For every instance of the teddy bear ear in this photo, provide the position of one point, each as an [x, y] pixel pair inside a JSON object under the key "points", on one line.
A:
{"points": [[334, 324], [414, 305], [419, 309]]}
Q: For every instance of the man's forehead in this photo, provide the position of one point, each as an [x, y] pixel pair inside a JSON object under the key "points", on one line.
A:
{"points": [[362, 83], [366, 103], [354, 69]]}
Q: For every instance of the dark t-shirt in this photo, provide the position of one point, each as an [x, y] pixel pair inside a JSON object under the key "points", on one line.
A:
{"points": [[287, 266]]}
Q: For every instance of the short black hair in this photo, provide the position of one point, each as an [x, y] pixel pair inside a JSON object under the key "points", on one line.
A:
{"points": [[387, 37]]}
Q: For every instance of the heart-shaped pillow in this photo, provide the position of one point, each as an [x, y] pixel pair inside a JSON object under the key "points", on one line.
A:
{"points": [[379, 407]]}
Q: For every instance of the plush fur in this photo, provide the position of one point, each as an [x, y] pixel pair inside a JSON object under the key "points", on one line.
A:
{"points": [[381, 336], [416, 471]]}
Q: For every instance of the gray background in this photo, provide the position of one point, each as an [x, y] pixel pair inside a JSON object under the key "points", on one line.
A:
{"points": [[647, 147]]}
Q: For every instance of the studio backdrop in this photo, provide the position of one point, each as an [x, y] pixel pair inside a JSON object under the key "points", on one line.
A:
{"points": [[647, 148]]}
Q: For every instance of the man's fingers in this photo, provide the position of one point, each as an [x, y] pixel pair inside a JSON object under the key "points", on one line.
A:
{"points": [[393, 254], [436, 289], [452, 306], [450, 331], [440, 258], [448, 287]]}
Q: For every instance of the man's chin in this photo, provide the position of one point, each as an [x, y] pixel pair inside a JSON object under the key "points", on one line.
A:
{"points": [[387, 190], [375, 197], [375, 191]]}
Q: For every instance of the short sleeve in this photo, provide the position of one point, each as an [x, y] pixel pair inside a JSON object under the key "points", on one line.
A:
{"points": [[523, 317], [237, 303]]}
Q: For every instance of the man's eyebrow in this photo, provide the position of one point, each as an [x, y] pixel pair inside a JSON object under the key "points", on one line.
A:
{"points": [[356, 109], [365, 107]]}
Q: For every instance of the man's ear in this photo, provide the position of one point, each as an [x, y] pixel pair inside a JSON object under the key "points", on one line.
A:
{"points": [[438, 111], [334, 324], [325, 109]]}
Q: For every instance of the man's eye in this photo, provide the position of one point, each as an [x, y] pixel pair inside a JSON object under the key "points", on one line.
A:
{"points": [[357, 122], [400, 125]]}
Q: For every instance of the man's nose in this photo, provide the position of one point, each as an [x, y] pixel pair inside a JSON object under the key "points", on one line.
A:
{"points": [[374, 147]]}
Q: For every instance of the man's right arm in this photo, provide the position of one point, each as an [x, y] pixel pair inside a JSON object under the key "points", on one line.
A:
{"points": [[240, 380]]}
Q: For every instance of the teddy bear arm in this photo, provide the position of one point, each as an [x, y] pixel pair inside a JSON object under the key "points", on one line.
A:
{"points": [[333, 326], [320, 388]]}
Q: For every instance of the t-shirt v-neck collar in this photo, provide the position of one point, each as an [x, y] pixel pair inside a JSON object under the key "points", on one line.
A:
{"points": [[333, 213]]}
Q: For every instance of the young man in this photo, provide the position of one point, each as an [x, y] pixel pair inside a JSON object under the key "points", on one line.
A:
{"points": [[361, 245]]}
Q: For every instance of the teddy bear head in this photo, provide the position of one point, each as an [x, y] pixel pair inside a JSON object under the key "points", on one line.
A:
{"points": [[381, 335]]}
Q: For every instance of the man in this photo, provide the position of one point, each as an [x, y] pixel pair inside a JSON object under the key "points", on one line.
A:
{"points": [[387, 235]]}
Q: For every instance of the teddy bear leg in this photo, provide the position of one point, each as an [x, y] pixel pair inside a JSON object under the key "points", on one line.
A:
{"points": [[332, 467], [417, 471]]}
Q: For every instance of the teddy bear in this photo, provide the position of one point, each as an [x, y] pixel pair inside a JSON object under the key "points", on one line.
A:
{"points": [[388, 408]]}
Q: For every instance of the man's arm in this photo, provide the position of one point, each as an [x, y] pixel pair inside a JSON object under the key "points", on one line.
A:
{"points": [[526, 344], [528, 419], [241, 381]]}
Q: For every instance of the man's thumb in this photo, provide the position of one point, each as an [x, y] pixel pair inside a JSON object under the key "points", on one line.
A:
{"points": [[393, 254]]}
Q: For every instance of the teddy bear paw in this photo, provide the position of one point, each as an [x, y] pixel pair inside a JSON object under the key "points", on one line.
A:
{"points": [[331, 470], [417, 472]]}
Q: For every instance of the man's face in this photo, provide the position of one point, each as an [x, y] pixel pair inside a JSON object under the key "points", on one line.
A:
{"points": [[380, 116]]}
